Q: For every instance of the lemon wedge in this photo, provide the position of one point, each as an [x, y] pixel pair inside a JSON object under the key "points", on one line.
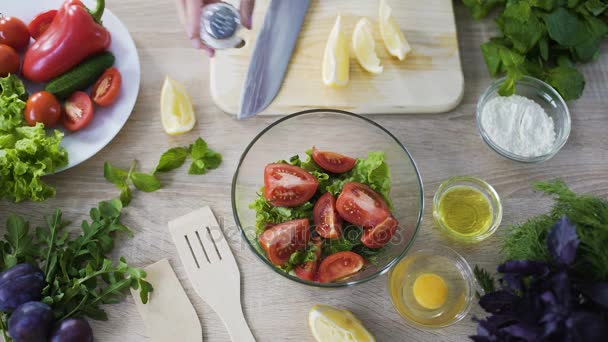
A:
{"points": [[330, 324], [176, 110], [336, 58], [365, 47], [394, 39]]}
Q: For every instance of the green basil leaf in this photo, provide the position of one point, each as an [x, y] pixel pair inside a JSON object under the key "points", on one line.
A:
{"points": [[198, 167], [198, 149], [568, 81], [172, 159], [114, 175], [145, 182]]}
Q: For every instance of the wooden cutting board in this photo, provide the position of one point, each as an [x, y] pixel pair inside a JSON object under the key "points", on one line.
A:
{"points": [[430, 80]]}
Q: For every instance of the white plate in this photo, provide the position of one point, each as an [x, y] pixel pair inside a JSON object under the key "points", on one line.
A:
{"points": [[108, 121]]}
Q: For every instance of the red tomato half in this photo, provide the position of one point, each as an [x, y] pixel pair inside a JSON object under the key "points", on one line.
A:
{"points": [[333, 162], [287, 185], [360, 205], [14, 33], [327, 221], [340, 265], [308, 270], [381, 234], [9, 60], [42, 107], [282, 240], [106, 89], [40, 23], [79, 111]]}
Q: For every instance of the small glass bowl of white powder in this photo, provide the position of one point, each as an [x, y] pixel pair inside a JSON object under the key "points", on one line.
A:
{"points": [[530, 126]]}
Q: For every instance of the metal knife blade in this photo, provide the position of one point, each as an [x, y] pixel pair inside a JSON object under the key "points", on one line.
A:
{"points": [[271, 55]]}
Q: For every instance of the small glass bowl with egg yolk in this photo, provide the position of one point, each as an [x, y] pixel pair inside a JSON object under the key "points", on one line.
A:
{"points": [[432, 288]]}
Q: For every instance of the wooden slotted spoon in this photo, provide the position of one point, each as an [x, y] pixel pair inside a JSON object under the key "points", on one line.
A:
{"points": [[211, 268]]}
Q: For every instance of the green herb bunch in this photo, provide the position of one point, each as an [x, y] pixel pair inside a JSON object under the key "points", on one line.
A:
{"points": [[590, 216], [203, 160], [544, 39], [80, 275]]}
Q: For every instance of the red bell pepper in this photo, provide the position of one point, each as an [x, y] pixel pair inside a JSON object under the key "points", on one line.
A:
{"points": [[74, 35]]}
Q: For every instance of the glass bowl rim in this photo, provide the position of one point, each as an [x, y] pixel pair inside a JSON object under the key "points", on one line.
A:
{"points": [[544, 88], [487, 187], [469, 279], [286, 275]]}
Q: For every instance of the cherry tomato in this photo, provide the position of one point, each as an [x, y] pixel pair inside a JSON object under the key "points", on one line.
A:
{"points": [[381, 234], [333, 162], [327, 221], [287, 185], [106, 89], [339, 266], [282, 240], [40, 23], [79, 111], [9, 60], [42, 107], [360, 205], [14, 33], [308, 270]]}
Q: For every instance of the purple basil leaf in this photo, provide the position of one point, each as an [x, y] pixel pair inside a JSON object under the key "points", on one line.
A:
{"points": [[499, 301], [512, 281], [527, 332], [560, 282], [563, 242], [524, 267], [597, 292], [487, 329], [586, 326]]}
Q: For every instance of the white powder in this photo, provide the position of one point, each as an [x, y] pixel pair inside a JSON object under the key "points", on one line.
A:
{"points": [[518, 125]]}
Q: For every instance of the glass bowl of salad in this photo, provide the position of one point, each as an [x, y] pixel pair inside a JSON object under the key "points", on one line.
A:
{"points": [[327, 198]]}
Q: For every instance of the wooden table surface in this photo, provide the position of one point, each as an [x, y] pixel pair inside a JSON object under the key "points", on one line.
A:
{"points": [[443, 145]]}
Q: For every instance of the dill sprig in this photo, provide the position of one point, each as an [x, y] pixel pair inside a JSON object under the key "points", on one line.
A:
{"points": [[485, 280], [588, 213]]}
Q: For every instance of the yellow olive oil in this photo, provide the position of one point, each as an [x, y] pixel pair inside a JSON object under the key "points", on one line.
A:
{"points": [[465, 211]]}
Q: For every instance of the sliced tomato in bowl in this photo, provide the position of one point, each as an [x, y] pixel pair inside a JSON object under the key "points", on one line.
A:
{"points": [[107, 88], [361, 205], [332, 161], [308, 270], [78, 111], [381, 234], [339, 266], [41, 23], [282, 240], [287, 185], [327, 221]]}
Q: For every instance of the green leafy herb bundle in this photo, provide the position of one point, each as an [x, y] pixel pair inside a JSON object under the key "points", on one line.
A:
{"points": [[590, 216], [544, 39], [26, 153], [203, 160], [79, 274]]}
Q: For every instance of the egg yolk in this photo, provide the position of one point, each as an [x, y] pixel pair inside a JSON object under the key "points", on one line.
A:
{"points": [[430, 291]]}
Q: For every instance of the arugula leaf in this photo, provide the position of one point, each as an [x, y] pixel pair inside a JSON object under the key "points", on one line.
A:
{"points": [[145, 182], [172, 159], [115, 175], [19, 241]]}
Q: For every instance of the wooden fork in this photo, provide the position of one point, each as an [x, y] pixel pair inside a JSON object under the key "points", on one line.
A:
{"points": [[211, 268]]}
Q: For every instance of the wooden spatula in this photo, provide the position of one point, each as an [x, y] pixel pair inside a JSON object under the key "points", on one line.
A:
{"points": [[212, 269]]}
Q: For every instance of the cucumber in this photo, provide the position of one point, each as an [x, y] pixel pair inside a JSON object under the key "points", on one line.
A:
{"points": [[82, 76]]}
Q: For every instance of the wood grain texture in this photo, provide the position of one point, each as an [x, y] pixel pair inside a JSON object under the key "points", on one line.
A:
{"points": [[443, 145], [430, 80]]}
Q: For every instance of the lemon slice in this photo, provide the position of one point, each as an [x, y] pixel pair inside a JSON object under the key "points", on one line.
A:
{"points": [[330, 324], [394, 39], [336, 57], [365, 47], [176, 111]]}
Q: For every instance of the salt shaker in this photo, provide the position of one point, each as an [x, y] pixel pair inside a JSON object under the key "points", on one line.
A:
{"points": [[220, 23]]}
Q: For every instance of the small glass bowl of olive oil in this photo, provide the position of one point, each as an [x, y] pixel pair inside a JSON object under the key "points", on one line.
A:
{"points": [[432, 288], [467, 209]]}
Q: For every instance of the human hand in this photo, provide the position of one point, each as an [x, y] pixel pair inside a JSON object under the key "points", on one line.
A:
{"points": [[190, 12]]}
